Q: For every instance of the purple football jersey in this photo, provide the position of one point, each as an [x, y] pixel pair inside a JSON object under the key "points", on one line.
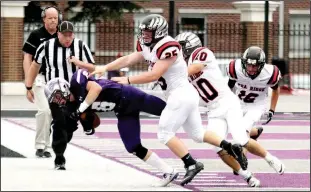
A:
{"points": [[108, 98]]}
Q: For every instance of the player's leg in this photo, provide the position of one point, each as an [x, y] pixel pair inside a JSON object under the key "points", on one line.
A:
{"points": [[60, 135], [251, 117], [219, 126], [171, 119], [43, 119], [193, 127], [152, 105], [129, 129], [237, 127]]}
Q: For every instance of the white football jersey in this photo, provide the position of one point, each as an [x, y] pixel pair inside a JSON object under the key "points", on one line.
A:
{"points": [[249, 90], [176, 75], [210, 83]]}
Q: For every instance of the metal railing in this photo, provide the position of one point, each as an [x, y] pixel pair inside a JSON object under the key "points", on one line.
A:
{"points": [[227, 40]]}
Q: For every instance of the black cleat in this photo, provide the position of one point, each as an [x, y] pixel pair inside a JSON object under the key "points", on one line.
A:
{"points": [[60, 166], [191, 172], [47, 154], [237, 153], [259, 130], [39, 153]]}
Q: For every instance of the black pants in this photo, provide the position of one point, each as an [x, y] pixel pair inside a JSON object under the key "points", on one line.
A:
{"points": [[63, 128]]}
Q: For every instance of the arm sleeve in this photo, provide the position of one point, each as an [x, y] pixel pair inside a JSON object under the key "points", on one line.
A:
{"points": [[168, 49], [87, 55], [231, 83], [275, 77], [31, 44], [231, 70], [40, 53]]}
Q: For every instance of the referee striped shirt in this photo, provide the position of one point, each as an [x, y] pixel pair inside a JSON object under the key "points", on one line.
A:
{"points": [[56, 57]]}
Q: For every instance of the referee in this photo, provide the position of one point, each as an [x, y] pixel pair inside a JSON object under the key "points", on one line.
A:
{"points": [[51, 17], [63, 55]]}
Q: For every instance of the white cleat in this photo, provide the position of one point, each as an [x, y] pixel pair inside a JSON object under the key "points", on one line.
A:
{"points": [[253, 182], [168, 178], [277, 165]]}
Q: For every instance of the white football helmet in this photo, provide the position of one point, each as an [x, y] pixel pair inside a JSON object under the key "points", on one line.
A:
{"points": [[189, 42], [155, 23], [57, 91]]}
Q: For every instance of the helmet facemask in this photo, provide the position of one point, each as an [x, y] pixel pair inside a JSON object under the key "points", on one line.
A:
{"points": [[252, 68], [253, 61], [61, 94]]}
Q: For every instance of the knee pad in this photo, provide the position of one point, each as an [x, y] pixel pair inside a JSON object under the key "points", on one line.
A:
{"points": [[165, 136], [198, 136], [140, 151]]}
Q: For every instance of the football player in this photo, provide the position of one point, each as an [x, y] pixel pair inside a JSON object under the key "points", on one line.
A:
{"points": [[164, 56], [224, 110], [127, 102], [251, 77], [58, 95]]}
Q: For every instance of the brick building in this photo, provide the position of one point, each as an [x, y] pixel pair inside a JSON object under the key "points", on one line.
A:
{"points": [[226, 27]]}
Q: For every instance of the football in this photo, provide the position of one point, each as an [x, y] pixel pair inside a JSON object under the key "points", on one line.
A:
{"points": [[96, 121]]}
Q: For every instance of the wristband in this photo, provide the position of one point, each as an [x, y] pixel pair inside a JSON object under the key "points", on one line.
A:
{"points": [[83, 106], [28, 88], [128, 80]]}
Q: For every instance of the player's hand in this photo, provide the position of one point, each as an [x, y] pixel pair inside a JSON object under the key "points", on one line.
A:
{"points": [[269, 116], [99, 70], [75, 115], [121, 80], [30, 96]]}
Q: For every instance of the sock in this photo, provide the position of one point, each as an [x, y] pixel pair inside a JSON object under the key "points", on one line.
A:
{"points": [[155, 161], [188, 160], [244, 173], [224, 145], [268, 157]]}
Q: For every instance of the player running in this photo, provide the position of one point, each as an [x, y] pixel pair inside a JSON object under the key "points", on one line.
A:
{"points": [[164, 56], [225, 113]]}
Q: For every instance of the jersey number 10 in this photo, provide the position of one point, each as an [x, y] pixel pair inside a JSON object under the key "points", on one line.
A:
{"points": [[206, 91]]}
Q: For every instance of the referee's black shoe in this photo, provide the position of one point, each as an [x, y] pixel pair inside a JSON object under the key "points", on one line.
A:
{"points": [[60, 162]]}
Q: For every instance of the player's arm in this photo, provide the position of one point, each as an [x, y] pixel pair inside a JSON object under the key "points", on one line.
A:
{"points": [[94, 90], [195, 68], [231, 73], [231, 83], [167, 55], [274, 96], [274, 84], [159, 68], [119, 63], [202, 59]]}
